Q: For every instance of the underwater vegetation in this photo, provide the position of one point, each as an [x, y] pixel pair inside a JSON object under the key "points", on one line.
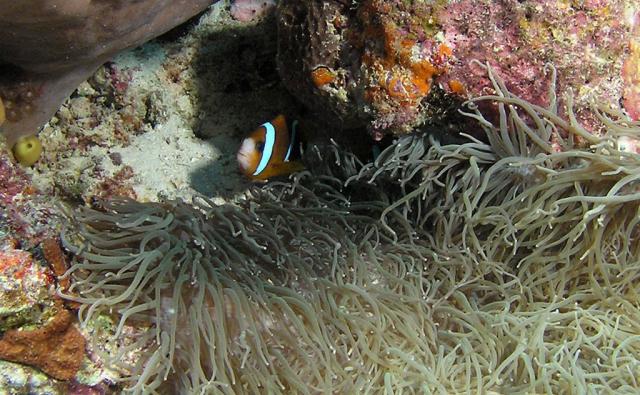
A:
{"points": [[508, 262]]}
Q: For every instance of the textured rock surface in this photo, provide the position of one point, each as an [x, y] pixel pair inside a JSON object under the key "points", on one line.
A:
{"points": [[383, 65], [16, 379], [25, 212], [37, 330], [24, 289], [631, 74], [56, 44]]}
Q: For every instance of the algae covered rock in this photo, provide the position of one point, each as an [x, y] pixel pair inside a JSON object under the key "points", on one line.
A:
{"points": [[24, 289], [360, 64], [394, 66]]}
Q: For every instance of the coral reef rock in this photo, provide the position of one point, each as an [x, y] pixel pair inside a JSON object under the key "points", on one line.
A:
{"points": [[631, 74], [26, 213], [34, 328], [385, 65], [24, 285], [56, 44]]}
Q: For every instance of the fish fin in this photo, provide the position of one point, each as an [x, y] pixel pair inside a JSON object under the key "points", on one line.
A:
{"points": [[294, 150], [277, 169]]}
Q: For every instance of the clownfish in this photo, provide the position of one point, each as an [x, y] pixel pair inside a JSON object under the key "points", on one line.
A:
{"points": [[271, 150]]}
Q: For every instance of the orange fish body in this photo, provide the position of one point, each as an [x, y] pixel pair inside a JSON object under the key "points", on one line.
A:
{"points": [[271, 150]]}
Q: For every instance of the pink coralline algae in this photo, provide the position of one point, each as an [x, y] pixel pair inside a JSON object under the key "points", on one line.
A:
{"points": [[587, 42], [249, 10], [394, 66]]}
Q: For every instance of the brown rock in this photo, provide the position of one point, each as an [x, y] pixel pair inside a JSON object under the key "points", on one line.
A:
{"points": [[57, 44]]}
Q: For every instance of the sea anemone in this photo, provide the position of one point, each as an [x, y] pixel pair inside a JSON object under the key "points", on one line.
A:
{"points": [[509, 263]]}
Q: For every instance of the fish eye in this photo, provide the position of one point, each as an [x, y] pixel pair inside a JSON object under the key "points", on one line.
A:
{"points": [[260, 146]]}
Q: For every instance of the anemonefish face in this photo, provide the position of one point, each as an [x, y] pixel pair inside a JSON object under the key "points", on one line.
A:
{"points": [[271, 150]]}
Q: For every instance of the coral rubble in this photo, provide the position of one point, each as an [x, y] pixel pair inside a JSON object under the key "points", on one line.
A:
{"points": [[389, 60], [26, 213], [19, 379]]}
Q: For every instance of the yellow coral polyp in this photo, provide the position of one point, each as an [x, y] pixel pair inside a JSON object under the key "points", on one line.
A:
{"points": [[27, 150]]}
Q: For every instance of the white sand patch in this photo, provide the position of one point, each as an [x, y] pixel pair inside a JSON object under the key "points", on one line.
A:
{"points": [[169, 162]]}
